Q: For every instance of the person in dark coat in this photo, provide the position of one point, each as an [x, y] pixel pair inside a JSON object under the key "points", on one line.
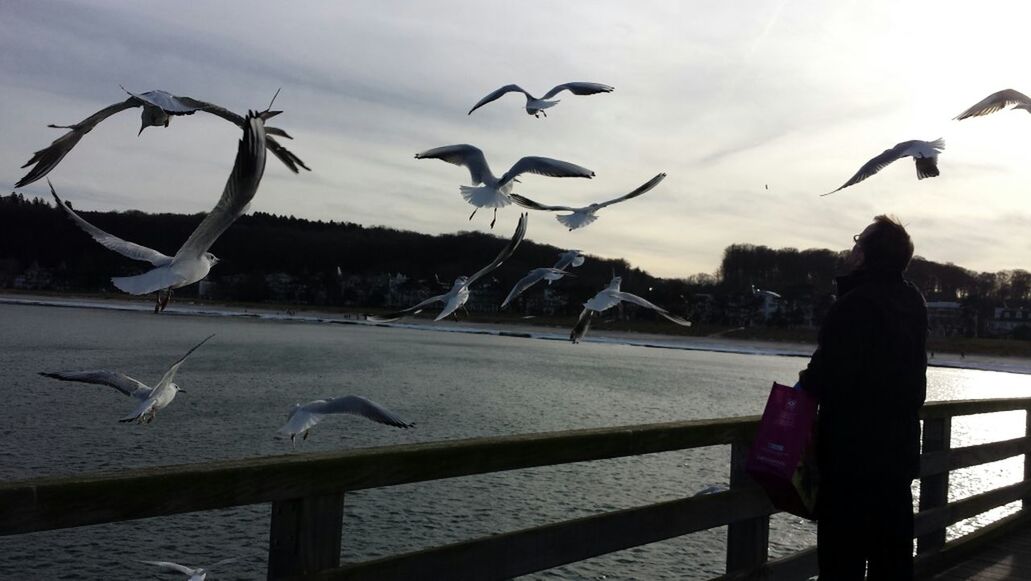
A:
{"points": [[869, 375]]}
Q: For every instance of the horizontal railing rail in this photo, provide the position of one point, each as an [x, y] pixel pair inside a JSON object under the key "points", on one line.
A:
{"points": [[306, 491]]}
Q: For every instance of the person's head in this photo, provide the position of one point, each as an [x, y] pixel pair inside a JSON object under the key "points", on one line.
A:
{"points": [[883, 245]]}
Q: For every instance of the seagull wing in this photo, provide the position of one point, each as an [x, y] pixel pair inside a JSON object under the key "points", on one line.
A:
{"points": [[239, 191], [528, 203], [284, 155], [569, 258], [111, 242], [536, 275], [170, 374], [291, 161], [641, 190], [119, 381], [502, 256], [47, 159], [497, 94], [995, 102], [359, 406], [462, 154], [875, 165], [173, 566], [579, 88], [640, 301], [223, 562], [168, 102], [545, 166], [413, 310]]}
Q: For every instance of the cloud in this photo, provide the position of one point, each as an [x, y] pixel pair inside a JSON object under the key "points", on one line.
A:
{"points": [[796, 95]]}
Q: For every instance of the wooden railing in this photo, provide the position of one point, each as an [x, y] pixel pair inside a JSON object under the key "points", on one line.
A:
{"points": [[307, 493]]}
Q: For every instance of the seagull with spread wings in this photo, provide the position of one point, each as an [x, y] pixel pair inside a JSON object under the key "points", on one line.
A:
{"points": [[459, 293], [497, 192], [924, 153], [193, 261], [585, 215], [151, 399], [195, 573], [571, 258], [535, 106], [158, 108], [997, 102], [610, 297], [304, 417]]}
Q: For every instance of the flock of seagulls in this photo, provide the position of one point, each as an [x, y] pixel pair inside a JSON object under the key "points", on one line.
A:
{"points": [[193, 260]]}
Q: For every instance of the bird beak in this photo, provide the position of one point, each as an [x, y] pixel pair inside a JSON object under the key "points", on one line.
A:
{"points": [[182, 391]]}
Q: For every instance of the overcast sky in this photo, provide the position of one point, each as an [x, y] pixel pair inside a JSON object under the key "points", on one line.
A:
{"points": [[725, 99]]}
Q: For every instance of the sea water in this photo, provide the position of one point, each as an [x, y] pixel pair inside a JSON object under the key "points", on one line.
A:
{"points": [[240, 385]]}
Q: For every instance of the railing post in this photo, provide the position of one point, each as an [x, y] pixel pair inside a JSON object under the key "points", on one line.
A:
{"points": [[934, 489], [748, 541], [1026, 503], [305, 535]]}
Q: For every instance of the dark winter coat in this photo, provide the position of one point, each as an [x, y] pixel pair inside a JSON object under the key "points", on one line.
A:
{"points": [[869, 374]]}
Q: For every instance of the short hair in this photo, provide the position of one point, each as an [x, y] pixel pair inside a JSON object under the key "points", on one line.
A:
{"points": [[888, 245]]}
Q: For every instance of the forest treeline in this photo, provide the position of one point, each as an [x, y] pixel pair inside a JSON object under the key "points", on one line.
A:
{"points": [[41, 248]]}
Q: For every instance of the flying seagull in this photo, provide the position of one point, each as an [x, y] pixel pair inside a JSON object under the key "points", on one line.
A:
{"points": [[151, 399], [193, 261], [571, 258], [195, 573], [610, 297], [496, 192], [303, 417], [535, 106], [997, 102], [924, 153], [459, 293], [581, 217], [158, 108]]}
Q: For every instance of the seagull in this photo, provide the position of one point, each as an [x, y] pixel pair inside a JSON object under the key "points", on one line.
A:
{"points": [[535, 106], [303, 418], [459, 293], [158, 108], [997, 102], [584, 216], [151, 399], [193, 261], [196, 574], [571, 258], [496, 193], [610, 297], [924, 153]]}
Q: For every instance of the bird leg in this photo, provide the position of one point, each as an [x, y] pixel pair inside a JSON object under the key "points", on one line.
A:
{"points": [[495, 219], [168, 297], [157, 302], [543, 112], [305, 435], [474, 213]]}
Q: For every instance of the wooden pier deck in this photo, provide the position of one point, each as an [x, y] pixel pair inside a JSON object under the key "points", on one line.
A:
{"points": [[306, 493], [1008, 558]]}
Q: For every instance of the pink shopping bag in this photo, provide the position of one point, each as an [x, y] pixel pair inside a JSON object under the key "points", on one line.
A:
{"points": [[782, 459]]}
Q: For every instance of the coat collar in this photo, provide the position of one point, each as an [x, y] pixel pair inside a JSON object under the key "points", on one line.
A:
{"points": [[858, 278]]}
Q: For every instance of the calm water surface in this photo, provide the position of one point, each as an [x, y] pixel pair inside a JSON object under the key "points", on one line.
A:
{"points": [[241, 383]]}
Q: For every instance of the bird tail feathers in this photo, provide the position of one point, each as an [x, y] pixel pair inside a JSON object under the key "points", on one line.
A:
{"points": [[926, 167]]}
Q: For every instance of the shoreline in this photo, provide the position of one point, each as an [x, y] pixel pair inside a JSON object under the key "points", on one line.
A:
{"points": [[997, 363]]}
